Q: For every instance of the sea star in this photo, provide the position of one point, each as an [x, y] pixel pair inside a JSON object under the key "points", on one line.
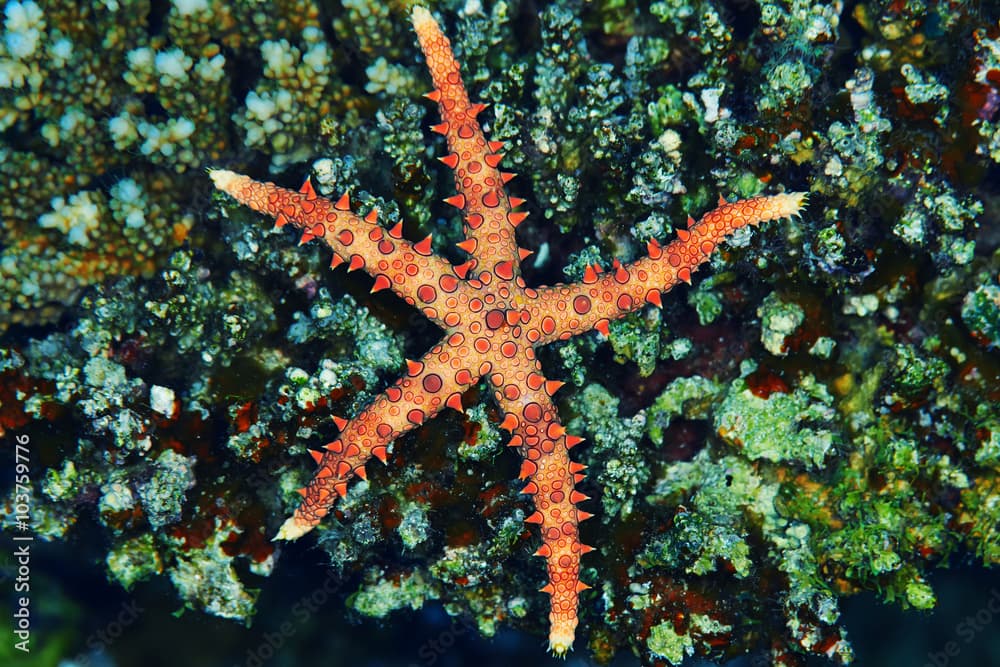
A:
{"points": [[492, 321]]}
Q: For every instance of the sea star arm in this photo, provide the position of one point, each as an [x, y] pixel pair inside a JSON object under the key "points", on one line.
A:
{"points": [[409, 269], [489, 219], [434, 382], [602, 297], [491, 322], [531, 417]]}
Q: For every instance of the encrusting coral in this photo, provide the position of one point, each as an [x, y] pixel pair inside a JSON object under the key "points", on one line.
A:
{"points": [[816, 417], [491, 319], [107, 114]]}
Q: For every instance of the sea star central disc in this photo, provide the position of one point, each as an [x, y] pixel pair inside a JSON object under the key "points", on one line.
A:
{"points": [[492, 321]]}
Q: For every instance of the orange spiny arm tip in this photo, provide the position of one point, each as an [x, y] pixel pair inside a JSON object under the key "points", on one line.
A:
{"points": [[787, 204], [421, 17], [561, 636], [223, 178], [292, 529]]}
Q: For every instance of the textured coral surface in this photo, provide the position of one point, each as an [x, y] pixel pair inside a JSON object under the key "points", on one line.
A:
{"points": [[810, 428]]}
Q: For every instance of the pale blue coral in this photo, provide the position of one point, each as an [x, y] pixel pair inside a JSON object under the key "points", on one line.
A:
{"points": [[779, 318], [205, 578], [164, 493]]}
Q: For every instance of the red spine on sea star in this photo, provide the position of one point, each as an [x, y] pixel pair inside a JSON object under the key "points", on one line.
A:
{"points": [[489, 221], [609, 295], [551, 477], [428, 386], [491, 322], [409, 269]]}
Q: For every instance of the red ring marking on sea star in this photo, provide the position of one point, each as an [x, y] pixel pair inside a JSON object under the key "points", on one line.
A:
{"points": [[499, 344]]}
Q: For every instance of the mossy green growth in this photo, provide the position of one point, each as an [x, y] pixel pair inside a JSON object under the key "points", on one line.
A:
{"points": [[614, 444], [734, 499], [988, 453], [134, 560], [697, 543], [915, 373], [63, 483], [205, 579], [664, 642], [705, 624], [712, 527], [414, 527], [641, 339], [467, 564], [667, 110], [486, 441], [920, 595], [380, 596], [782, 427], [981, 512], [868, 520], [786, 84], [705, 301], [507, 536], [691, 397], [937, 218], [829, 245], [981, 312]]}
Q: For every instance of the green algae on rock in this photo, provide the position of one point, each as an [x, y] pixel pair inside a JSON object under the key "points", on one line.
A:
{"points": [[782, 427]]}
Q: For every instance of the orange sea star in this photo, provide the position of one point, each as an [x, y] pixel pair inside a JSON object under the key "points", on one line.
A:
{"points": [[491, 320]]}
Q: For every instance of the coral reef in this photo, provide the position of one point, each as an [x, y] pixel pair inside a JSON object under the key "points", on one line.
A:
{"points": [[109, 110], [816, 417]]}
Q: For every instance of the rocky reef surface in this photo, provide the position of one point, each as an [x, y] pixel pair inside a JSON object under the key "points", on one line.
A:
{"points": [[817, 416]]}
